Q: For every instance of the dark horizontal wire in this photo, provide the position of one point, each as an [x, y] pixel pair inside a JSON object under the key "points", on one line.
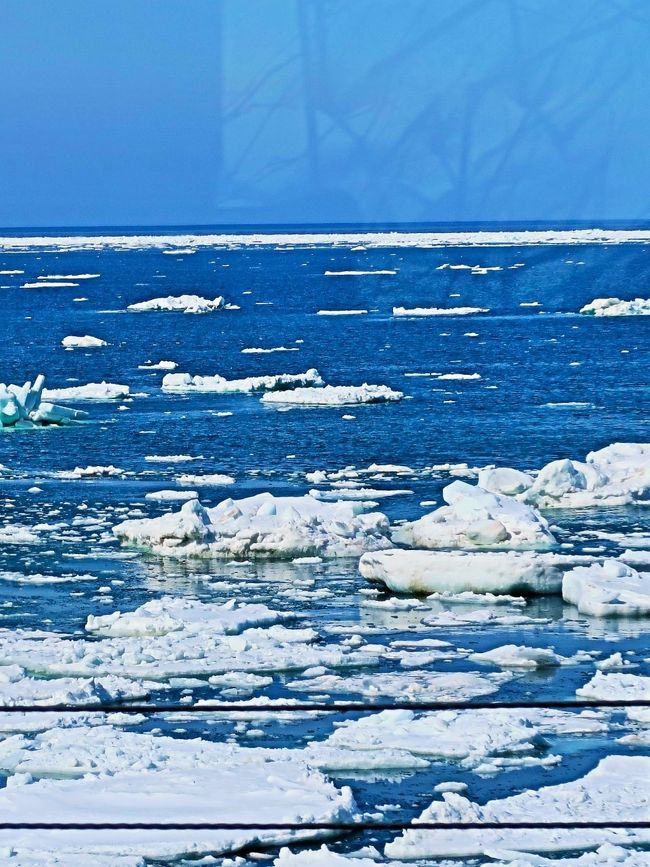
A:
{"points": [[316, 826], [341, 707]]}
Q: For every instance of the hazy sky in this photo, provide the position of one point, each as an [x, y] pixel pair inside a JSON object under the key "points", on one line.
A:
{"points": [[126, 112]]}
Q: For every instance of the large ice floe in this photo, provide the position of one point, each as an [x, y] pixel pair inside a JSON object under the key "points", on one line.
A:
{"points": [[607, 855], [617, 307], [90, 391], [261, 527], [139, 778], [608, 589], [616, 789], [184, 303], [615, 475], [335, 395], [454, 572], [477, 518], [22, 406], [220, 385]]}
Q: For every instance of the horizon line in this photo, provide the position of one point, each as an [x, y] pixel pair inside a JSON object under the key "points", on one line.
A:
{"points": [[415, 225]]}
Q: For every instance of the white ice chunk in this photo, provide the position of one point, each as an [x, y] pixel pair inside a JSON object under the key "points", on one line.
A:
{"points": [[608, 589], [261, 527], [220, 385], [91, 391], [334, 395], [438, 311], [617, 789], [186, 303], [459, 571], [86, 341], [616, 307], [476, 518], [615, 475]]}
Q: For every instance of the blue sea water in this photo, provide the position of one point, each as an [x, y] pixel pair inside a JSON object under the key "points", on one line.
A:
{"points": [[552, 384]]}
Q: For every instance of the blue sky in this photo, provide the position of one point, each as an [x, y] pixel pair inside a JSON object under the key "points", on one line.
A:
{"points": [[161, 112]]}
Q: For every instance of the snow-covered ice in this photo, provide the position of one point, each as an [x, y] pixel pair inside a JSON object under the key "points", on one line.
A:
{"points": [[217, 384], [455, 572], [476, 518], [608, 589], [438, 311], [90, 391], [334, 395], [260, 527], [612, 476], [616, 789], [84, 342], [244, 786], [617, 307], [184, 303], [172, 638]]}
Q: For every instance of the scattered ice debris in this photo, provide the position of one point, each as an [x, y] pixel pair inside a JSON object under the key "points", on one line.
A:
{"points": [[438, 311], [91, 391], [481, 572], [476, 518], [616, 307], [334, 395], [11, 272], [257, 350], [186, 303], [340, 312], [261, 527], [324, 857], [617, 789], [85, 342], [160, 365], [209, 479], [369, 240], [23, 407], [482, 741], [608, 589], [49, 284], [165, 496], [458, 376], [359, 273], [170, 638], [35, 578], [16, 688], [612, 476], [68, 276], [407, 685], [185, 382], [91, 472], [172, 459], [180, 251], [607, 855]]}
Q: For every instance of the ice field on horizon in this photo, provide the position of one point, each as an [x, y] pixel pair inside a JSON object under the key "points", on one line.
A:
{"points": [[389, 468]]}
